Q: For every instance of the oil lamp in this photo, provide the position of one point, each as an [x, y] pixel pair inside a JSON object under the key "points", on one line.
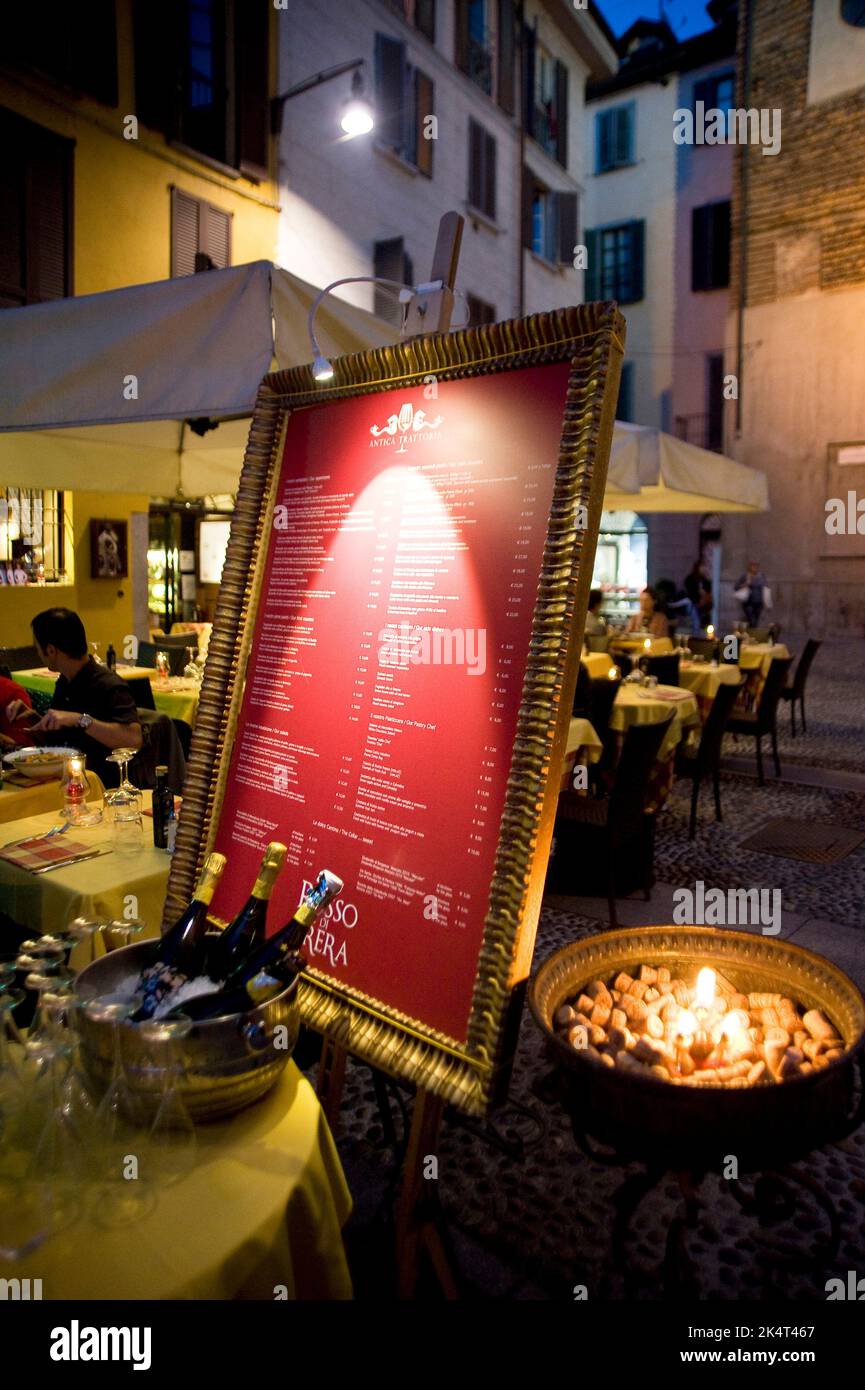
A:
{"points": [[76, 789]]}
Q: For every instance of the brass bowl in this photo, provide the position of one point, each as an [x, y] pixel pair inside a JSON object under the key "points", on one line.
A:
{"points": [[677, 1126], [227, 1063]]}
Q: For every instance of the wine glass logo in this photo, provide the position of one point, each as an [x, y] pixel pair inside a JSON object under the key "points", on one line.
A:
{"points": [[407, 422]]}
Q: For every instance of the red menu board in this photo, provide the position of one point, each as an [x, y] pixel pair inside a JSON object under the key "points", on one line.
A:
{"points": [[386, 672]]}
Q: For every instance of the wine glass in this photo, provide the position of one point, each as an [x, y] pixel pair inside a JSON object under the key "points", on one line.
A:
{"points": [[190, 670], [125, 790], [121, 1197], [128, 825], [162, 666], [95, 646], [171, 1139], [127, 929]]}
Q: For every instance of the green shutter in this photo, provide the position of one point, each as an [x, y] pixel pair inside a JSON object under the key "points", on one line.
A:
{"points": [[593, 269], [637, 239], [602, 141], [624, 128]]}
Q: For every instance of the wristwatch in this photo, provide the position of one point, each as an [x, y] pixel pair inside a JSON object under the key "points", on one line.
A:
{"points": [[84, 721]]}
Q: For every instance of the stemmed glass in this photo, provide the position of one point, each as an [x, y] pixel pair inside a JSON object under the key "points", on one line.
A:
{"points": [[126, 795], [95, 648], [171, 1138], [121, 1196], [126, 929], [162, 666]]}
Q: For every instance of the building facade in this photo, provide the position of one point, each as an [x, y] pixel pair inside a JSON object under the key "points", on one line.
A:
{"points": [[798, 309], [480, 107]]}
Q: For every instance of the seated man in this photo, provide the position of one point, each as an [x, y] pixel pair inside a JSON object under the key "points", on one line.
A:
{"points": [[91, 708]]}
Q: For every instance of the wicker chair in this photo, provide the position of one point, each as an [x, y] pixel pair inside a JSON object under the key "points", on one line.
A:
{"points": [[764, 719]]}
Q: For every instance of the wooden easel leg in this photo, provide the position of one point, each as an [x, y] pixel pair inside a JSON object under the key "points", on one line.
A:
{"points": [[331, 1080], [416, 1233]]}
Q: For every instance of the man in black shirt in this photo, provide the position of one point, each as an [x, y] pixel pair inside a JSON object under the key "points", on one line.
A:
{"points": [[91, 708]]}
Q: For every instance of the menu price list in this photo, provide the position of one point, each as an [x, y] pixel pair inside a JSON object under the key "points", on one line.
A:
{"points": [[386, 672]]}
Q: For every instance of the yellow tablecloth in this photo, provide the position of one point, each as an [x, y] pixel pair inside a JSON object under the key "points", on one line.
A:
{"points": [[262, 1210], [598, 664], [661, 646], [758, 656], [634, 707], [581, 735], [177, 696], [103, 887], [704, 680], [43, 798]]}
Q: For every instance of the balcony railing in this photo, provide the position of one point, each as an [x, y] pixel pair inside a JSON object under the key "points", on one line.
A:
{"points": [[706, 431]]}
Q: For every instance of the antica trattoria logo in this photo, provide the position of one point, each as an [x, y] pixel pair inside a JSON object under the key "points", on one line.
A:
{"points": [[408, 425]]}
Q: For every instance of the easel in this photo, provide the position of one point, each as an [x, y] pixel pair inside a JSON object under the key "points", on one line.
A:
{"points": [[416, 1233]]}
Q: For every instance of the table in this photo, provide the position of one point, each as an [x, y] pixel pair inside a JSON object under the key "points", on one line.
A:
{"points": [[661, 646], [705, 680], [40, 798], [598, 665], [755, 658], [583, 747], [177, 696], [263, 1209], [633, 707], [94, 888]]}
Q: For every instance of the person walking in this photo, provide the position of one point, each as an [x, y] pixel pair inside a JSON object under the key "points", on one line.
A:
{"points": [[751, 592]]}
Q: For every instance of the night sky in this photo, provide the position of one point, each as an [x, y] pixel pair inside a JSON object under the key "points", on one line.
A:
{"points": [[685, 17]]}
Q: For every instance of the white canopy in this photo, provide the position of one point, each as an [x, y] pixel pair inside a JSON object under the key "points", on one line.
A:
{"points": [[97, 392]]}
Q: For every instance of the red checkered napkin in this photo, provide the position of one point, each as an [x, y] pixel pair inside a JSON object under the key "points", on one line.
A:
{"points": [[38, 851]]}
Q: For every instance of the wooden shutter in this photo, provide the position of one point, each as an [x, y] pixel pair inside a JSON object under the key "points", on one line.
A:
{"points": [[700, 237], [528, 79], [389, 89], [566, 227], [476, 154], [637, 256], [48, 221], [184, 232], [425, 18], [489, 203], [720, 245], [214, 234], [389, 263], [593, 268], [506, 56], [252, 32], [424, 106], [562, 114], [461, 35]]}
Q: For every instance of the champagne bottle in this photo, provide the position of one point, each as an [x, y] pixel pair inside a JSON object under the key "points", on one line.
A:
{"points": [[247, 932], [266, 972], [111, 658], [161, 795], [182, 949]]}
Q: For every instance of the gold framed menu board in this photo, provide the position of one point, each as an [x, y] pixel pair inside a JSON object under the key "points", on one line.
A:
{"points": [[391, 674]]}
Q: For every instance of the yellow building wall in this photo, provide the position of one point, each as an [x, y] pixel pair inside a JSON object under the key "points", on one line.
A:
{"points": [[105, 605]]}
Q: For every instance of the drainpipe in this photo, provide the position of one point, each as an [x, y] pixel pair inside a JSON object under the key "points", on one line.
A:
{"points": [[743, 219]]}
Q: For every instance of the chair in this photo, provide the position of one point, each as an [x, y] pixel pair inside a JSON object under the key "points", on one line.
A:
{"points": [[19, 658], [764, 634], [161, 746], [184, 734], [599, 642], [764, 719], [703, 646], [147, 655], [609, 830], [796, 691], [140, 689], [707, 758], [664, 668], [175, 649]]}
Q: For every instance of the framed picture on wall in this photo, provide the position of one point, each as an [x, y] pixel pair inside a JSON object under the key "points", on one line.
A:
{"points": [[109, 549]]}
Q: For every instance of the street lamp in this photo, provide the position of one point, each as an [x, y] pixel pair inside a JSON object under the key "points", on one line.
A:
{"points": [[358, 116]]}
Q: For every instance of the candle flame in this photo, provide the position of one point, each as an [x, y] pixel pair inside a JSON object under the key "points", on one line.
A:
{"points": [[686, 1024], [704, 994], [710, 631], [648, 644], [613, 672], [734, 1025]]}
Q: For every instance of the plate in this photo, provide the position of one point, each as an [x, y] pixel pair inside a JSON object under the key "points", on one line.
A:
{"points": [[39, 763]]}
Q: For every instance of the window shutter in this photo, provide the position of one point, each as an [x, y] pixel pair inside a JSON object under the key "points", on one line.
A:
{"points": [[489, 203], [526, 211], [720, 245], [425, 18], [389, 263], [214, 234], [389, 89], [603, 142], [475, 189], [704, 91], [562, 114], [157, 41], [637, 248], [461, 23], [529, 46], [700, 248], [623, 152], [507, 56], [253, 85], [424, 106], [184, 232], [48, 220], [566, 225], [625, 402], [593, 268]]}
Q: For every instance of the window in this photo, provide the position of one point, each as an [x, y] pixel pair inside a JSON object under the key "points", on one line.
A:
{"points": [[615, 262], [36, 225], [545, 98], [710, 246], [420, 13], [202, 77], [714, 400], [717, 93], [404, 96], [614, 138], [549, 221], [482, 170], [474, 54], [479, 311], [75, 45], [391, 262], [625, 403], [853, 12], [33, 523], [200, 235]]}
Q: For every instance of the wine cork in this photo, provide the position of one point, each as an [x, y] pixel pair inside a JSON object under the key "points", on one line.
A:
{"points": [[800, 1037], [756, 1073], [687, 1065], [739, 1001], [607, 1059], [618, 1019], [648, 974], [598, 991], [654, 1026], [600, 1015], [663, 975], [790, 1063], [651, 995], [584, 1019], [597, 1035], [770, 1018], [635, 1009], [618, 1039], [645, 1051], [818, 1024], [565, 1016], [660, 1071], [623, 981], [637, 989], [834, 1054], [585, 1005], [812, 1047], [625, 1062], [761, 1000], [724, 985], [681, 994], [806, 1069]]}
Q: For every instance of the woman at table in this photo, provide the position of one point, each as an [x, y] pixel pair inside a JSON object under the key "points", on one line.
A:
{"points": [[651, 617], [14, 732], [595, 625]]}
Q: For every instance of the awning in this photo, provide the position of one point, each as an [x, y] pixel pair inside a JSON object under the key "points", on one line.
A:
{"points": [[101, 392]]}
